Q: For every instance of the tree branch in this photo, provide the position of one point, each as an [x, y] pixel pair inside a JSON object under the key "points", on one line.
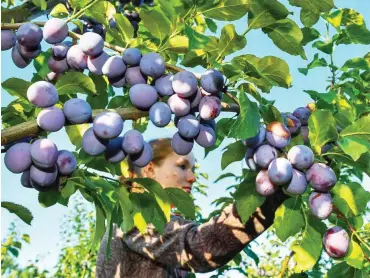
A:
{"points": [[31, 129]]}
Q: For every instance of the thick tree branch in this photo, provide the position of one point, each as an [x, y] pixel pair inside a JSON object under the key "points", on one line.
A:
{"points": [[31, 129]]}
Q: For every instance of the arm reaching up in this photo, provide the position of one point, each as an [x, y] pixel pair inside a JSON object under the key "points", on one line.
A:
{"points": [[202, 248]]}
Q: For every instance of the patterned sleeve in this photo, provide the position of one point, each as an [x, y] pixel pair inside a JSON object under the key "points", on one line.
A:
{"points": [[202, 248]]}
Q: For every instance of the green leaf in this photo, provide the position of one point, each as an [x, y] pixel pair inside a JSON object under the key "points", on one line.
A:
{"points": [[287, 36], [100, 12], [149, 210], [178, 44], [309, 18], [78, 4], [270, 114], [322, 128], [264, 72], [334, 18], [352, 197], [265, 12], [155, 189], [101, 85], [343, 270], [247, 198], [309, 34], [196, 40], [315, 6], [223, 128], [211, 25], [227, 10], [326, 47], [99, 229], [289, 212], [182, 201], [356, 63], [223, 176], [68, 190], [59, 11], [355, 139], [251, 254], [75, 134], [363, 163], [355, 256], [41, 4], [230, 41], [41, 64], [234, 152], [125, 29], [75, 82], [308, 249], [141, 124], [248, 121], [156, 22], [358, 34], [48, 199], [315, 63], [120, 101], [126, 208], [19, 210], [16, 87]]}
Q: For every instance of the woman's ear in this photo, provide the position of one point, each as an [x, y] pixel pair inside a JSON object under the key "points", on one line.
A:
{"points": [[149, 170]]}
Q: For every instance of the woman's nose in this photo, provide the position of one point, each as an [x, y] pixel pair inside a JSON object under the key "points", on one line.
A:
{"points": [[190, 177]]}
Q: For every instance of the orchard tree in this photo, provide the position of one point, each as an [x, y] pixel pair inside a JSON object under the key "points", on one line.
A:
{"points": [[316, 156]]}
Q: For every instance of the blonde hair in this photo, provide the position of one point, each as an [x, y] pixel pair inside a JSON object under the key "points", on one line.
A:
{"points": [[161, 148]]}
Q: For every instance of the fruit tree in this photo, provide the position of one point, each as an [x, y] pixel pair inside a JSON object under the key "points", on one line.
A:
{"points": [[100, 66]]}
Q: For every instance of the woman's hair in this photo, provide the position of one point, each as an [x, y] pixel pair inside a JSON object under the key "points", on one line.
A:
{"points": [[161, 148]]}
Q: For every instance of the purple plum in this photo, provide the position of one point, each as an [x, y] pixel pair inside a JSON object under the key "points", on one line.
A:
{"points": [[336, 242], [298, 184], [66, 162], [321, 204], [263, 184], [321, 177], [181, 145], [264, 155], [301, 157], [18, 158], [277, 135], [108, 125], [44, 153]]}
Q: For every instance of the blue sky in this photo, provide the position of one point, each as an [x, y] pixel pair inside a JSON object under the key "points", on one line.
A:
{"points": [[44, 231]]}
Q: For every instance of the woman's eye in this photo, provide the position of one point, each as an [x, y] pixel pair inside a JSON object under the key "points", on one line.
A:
{"points": [[183, 167]]}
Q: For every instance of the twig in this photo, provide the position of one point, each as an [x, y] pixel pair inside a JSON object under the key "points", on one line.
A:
{"points": [[285, 265], [80, 12], [234, 99]]}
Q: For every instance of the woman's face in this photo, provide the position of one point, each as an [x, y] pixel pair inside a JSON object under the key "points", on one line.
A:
{"points": [[176, 171]]}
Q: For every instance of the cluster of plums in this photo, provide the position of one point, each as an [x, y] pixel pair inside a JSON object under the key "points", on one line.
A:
{"points": [[26, 42], [40, 163], [185, 99], [295, 172], [103, 137]]}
